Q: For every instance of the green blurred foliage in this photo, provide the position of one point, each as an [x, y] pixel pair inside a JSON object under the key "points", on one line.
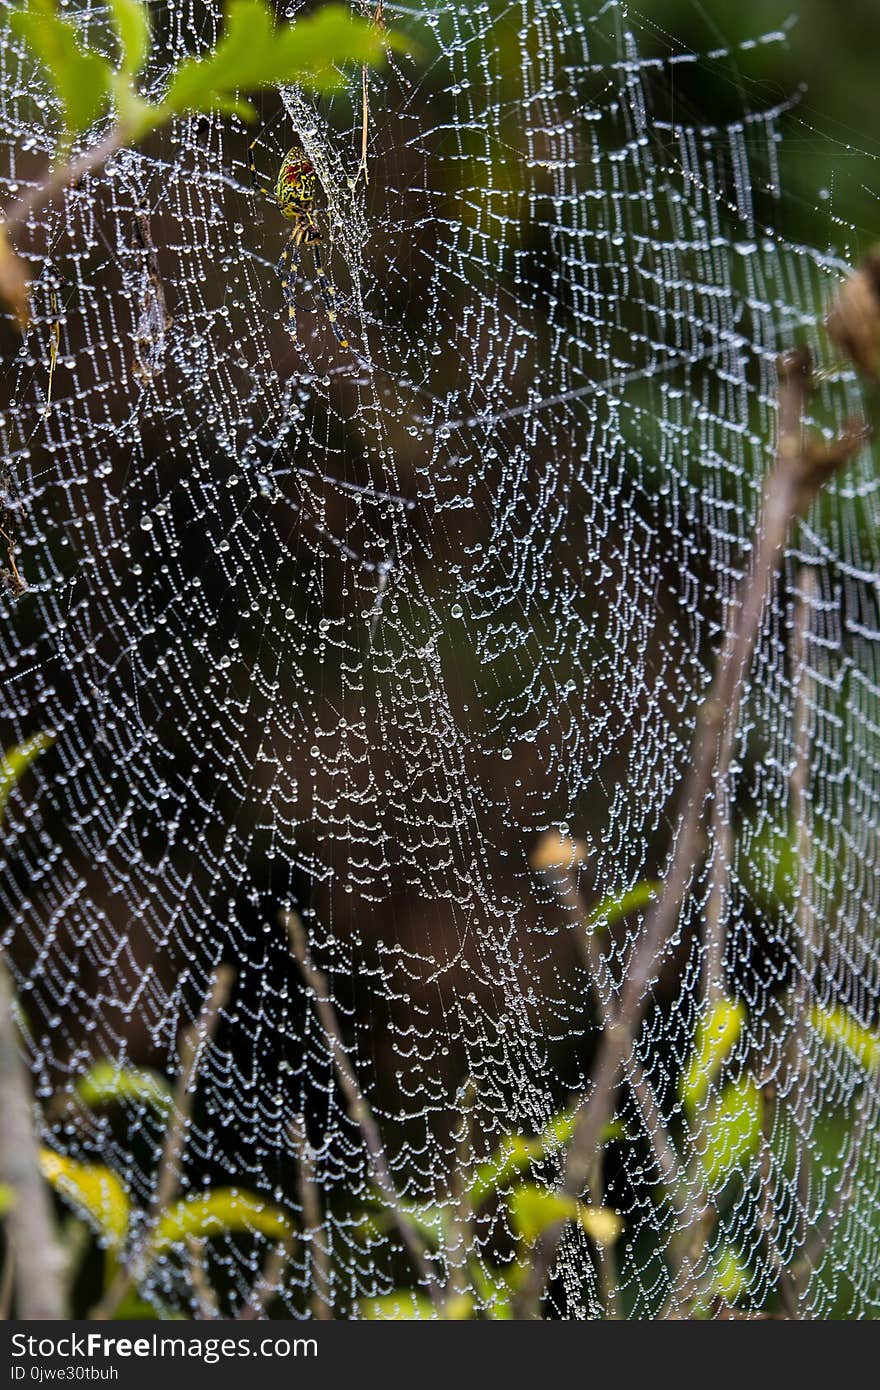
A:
{"points": [[828, 63]]}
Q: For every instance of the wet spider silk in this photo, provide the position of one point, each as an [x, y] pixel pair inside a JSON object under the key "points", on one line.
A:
{"points": [[349, 634]]}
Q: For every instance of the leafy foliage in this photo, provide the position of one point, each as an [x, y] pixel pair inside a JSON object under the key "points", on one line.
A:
{"points": [[217, 1213], [840, 1027], [533, 1210], [716, 1035], [614, 909], [731, 1132], [254, 52], [92, 1189], [15, 763], [106, 1083], [80, 78]]}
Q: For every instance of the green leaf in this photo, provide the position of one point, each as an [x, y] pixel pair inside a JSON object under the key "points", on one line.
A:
{"points": [[770, 867], [494, 1293], [7, 1198], [514, 1154], [731, 1278], [717, 1034], [134, 1308], [131, 21], [107, 1082], [92, 1189], [730, 1133], [429, 1220], [221, 1212], [533, 1210], [838, 1026], [613, 909], [401, 1305], [80, 79], [15, 763], [254, 51]]}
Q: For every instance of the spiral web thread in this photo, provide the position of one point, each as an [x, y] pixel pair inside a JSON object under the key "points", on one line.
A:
{"points": [[350, 635]]}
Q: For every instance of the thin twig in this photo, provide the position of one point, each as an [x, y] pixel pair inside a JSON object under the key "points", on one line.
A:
{"points": [[193, 1043], [378, 23], [7, 1284], [321, 1300], [461, 1242], [808, 946], [62, 177], [715, 935], [801, 469], [30, 1224], [356, 1104], [190, 1051], [206, 1298], [54, 344], [269, 1282], [689, 1208]]}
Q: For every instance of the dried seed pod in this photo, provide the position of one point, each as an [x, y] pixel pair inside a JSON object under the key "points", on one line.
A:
{"points": [[559, 852], [853, 321]]}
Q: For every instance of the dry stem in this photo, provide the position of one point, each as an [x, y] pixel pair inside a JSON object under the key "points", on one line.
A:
{"points": [[801, 469], [355, 1101], [30, 1225], [190, 1050]]}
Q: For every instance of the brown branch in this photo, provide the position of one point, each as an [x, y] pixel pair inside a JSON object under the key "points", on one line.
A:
{"points": [[355, 1101], [269, 1282], [60, 178], [555, 859], [715, 932], [801, 469], [30, 1224], [193, 1042], [190, 1050], [321, 1301], [7, 1283], [806, 919], [206, 1298]]}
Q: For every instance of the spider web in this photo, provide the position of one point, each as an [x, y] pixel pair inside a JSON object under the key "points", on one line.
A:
{"points": [[349, 635]]}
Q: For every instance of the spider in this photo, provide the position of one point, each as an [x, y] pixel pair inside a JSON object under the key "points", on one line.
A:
{"points": [[294, 197]]}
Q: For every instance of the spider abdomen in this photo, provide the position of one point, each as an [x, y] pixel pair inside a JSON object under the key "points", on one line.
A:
{"points": [[295, 188]]}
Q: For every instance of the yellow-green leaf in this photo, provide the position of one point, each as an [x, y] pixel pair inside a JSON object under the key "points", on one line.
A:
{"points": [[221, 1212], [731, 1277], [730, 1132], [131, 21], [15, 281], [533, 1210], [7, 1198], [80, 78], [515, 1153], [401, 1305], [612, 909], [256, 51], [717, 1034], [91, 1189], [16, 761], [107, 1082], [839, 1026]]}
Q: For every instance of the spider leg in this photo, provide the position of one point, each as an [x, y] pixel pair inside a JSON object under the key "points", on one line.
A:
{"points": [[258, 181], [288, 269], [327, 291]]}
